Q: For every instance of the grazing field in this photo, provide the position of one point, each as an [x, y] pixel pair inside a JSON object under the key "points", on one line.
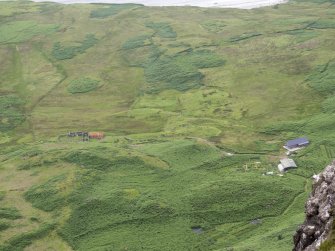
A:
{"points": [[195, 104]]}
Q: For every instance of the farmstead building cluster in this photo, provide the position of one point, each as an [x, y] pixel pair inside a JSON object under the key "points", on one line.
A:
{"points": [[292, 146], [86, 135]]}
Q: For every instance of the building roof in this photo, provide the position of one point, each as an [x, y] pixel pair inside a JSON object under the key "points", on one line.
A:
{"points": [[281, 168], [288, 163], [297, 142]]}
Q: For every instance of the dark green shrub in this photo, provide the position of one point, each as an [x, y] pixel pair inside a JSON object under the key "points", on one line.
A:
{"points": [[88, 160], [181, 71], [328, 106], [61, 53], [83, 85], [142, 56], [11, 112], [136, 42], [47, 196], [95, 215], [285, 126], [170, 74], [91, 160], [234, 199], [32, 153], [2, 195], [323, 78], [89, 41], [320, 123], [10, 213], [200, 59], [4, 226], [163, 30], [18, 243], [34, 219], [323, 24], [214, 25]]}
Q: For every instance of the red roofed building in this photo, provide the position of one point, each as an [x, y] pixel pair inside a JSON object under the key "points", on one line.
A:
{"points": [[96, 135]]}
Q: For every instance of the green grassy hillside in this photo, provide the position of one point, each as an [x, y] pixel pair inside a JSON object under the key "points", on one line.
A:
{"points": [[195, 105]]}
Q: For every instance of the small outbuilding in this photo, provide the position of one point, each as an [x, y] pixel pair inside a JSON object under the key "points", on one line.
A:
{"points": [[286, 164], [296, 143]]}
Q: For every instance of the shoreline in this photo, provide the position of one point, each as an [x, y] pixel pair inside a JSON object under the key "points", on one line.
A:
{"points": [[238, 4]]}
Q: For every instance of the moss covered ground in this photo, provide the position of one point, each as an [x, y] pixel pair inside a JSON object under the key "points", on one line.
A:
{"points": [[195, 104]]}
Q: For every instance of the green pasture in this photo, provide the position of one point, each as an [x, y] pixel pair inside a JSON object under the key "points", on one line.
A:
{"points": [[21, 31], [195, 104]]}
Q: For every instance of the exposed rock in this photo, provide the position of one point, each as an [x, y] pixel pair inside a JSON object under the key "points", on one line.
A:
{"points": [[256, 221], [319, 212]]}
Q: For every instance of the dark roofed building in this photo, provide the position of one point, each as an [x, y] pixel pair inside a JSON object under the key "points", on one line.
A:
{"points": [[296, 143]]}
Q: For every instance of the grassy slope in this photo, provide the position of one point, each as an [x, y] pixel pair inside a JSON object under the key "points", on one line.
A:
{"points": [[175, 90]]}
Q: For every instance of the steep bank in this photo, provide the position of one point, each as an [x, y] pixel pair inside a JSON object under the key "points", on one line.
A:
{"points": [[319, 212]]}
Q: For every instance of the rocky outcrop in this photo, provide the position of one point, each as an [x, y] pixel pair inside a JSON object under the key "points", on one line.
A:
{"points": [[319, 212]]}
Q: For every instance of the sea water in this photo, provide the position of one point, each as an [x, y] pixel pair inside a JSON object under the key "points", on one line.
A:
{"points": [[240, 4]]}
